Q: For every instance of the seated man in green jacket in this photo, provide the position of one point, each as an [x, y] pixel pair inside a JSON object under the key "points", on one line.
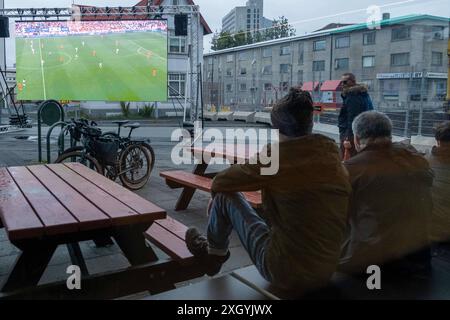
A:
{"points": [[295, 241]]}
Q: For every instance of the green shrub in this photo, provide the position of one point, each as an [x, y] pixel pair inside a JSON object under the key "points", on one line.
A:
{"points": [[148, 111], [125, 106]]}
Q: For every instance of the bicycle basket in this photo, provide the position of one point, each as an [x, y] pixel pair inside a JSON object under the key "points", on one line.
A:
{"points": [[105, 150]]}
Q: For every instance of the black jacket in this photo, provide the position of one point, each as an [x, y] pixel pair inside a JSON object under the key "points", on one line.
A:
{"points": [[355, 101]]}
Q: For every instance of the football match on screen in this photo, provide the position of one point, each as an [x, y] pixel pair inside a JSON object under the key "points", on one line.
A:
{"points": [[92, 60]]}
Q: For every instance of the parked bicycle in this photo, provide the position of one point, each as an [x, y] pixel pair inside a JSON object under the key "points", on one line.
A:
{"points": [[130, 160]]}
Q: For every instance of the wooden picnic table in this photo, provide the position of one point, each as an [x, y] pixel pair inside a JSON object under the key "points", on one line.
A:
{"points": [[198, 179], [44, 206]]}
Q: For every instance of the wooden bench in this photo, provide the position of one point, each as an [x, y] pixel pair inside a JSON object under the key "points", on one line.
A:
{"points": [[180, 179], [169, 236]]}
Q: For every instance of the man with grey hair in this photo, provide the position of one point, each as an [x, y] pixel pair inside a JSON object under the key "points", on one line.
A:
{"points": [[390, 204]]}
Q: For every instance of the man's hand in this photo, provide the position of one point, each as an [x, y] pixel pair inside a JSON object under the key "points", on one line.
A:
{"points": [[347, 144]]}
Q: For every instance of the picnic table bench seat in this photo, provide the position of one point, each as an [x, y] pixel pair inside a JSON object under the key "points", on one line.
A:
{"points": [[179, 179], [169, 236]]}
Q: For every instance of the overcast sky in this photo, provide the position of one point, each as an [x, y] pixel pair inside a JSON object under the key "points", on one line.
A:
{"points": [[304, 15]]}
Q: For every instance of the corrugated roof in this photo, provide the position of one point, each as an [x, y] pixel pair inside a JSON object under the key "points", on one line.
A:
{"points": [[330, 85], [316, 34], [310, 86]]}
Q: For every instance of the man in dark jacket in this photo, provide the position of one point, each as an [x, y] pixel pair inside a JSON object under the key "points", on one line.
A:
{"points": [[440, 163], [356, 100], [295, 241], [391, 203]]}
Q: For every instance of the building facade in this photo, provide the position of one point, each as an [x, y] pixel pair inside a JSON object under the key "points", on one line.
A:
{"points": [[249, 18], [401, 60]]}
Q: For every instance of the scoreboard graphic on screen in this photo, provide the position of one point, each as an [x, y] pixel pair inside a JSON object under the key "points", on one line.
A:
{"points": [[92, 60]]}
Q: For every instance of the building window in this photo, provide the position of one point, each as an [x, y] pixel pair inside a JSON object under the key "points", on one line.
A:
{"points": [[267, 52], [300, 76], [440, 90], [284, 68], [243, 71], [436, 58], [230, 58], [284, 86], [175, 2], [400, 59], [391, 89], [229, 72], [177, 85], [320, 45], [267, 70], [368, 61], [177, 44], [229, 88], [244, 56], [285, 50], [267, 87], [438, 32], [319, 65], [342, 42], [369, 38], [341, 64], [243, 87], [301, 53], [415, 90], [401, 33]]}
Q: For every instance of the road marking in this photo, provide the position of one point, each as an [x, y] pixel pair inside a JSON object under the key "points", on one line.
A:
{"points": [[42, 70]]}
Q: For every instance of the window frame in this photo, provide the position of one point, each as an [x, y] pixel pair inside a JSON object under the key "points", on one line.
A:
{"points": [[341, 47], [182, 78], [315, 45]]}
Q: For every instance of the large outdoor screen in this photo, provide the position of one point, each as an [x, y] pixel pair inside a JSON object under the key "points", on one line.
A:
{"points": [[92, 60]]}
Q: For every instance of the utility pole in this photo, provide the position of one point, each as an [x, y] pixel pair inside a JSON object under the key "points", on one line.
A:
{"points": [[422, 88]]}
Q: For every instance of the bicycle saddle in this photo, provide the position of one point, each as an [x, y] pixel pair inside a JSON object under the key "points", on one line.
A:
{"points": [[120, 123], [133, 126]]}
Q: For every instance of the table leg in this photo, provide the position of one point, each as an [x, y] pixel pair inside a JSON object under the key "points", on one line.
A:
{"points": [[76, 256], [187, 194], [132, 242], [29, 266]]}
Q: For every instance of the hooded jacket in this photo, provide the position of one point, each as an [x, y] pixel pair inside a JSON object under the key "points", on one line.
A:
{"points": [[305, 206], [390, 206], [356, 100], [440, 222]]}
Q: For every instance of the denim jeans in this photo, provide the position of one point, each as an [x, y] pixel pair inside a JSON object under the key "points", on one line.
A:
{"points": [[231, 211]]}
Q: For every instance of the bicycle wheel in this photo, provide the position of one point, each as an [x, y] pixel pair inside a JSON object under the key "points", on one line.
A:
{"points": [[135, 166], [80, 157], [151, 154]]}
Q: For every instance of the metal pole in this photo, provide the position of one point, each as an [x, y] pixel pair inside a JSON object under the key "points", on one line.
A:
{"points": [[422, 88]]}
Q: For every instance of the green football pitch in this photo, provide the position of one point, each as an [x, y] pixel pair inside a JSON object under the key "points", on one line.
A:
{"points": [[116, 67]]}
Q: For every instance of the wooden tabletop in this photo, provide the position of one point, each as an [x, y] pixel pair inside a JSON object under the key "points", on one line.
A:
{"points": [[232, 152], [46, 200]]}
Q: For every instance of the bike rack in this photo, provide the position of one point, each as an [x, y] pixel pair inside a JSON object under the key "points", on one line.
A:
{"points": [[50, 112]]}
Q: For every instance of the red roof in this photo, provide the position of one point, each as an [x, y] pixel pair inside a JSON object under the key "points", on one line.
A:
{"points": [[331, 85], [308, 86], [144, 3]]}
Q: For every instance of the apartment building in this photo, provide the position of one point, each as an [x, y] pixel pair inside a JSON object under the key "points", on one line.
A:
{"points": [[400, 59]]}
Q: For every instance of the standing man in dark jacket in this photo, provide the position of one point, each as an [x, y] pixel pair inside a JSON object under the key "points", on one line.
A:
{"points": [[391, 203], [356, 100]]}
